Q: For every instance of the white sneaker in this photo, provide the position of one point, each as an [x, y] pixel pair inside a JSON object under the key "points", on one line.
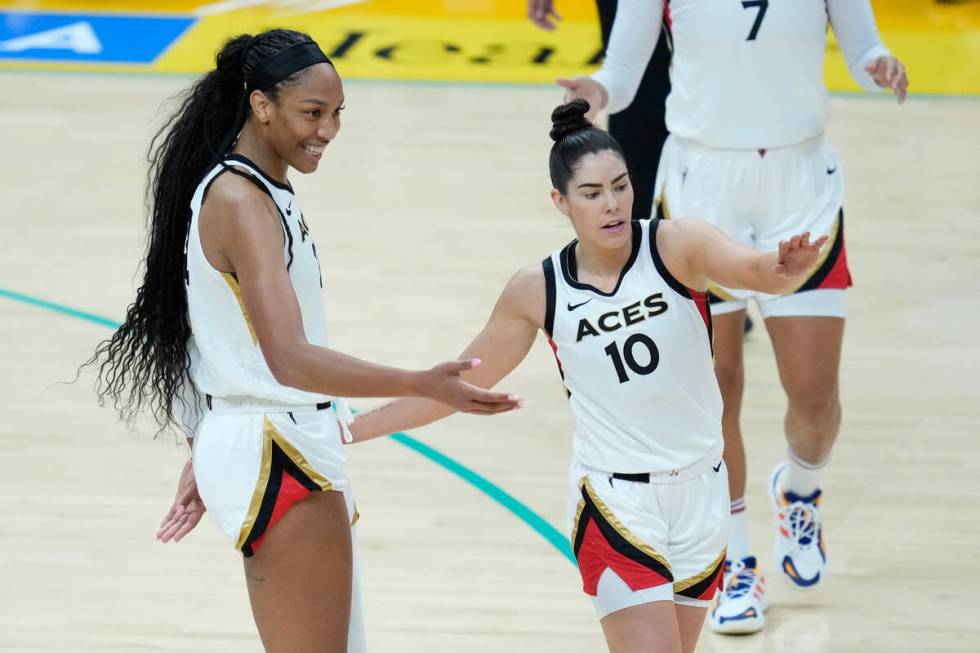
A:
{"points": [[742, 603], [799, 548]]}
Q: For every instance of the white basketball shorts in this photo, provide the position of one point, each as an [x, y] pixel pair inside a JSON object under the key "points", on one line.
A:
{"points": [[758, 198], [640, 538]]}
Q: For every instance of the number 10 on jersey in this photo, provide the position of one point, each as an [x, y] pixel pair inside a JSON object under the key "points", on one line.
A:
{"points": [[629, 356]]}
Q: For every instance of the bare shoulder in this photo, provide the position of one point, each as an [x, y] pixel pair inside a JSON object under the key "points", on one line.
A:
{"points": [[234, 202], [524, 295], [674, 233]]}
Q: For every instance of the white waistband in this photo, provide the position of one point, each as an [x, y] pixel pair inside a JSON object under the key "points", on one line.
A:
{"points": [[252, 405], [762, 153], [711, 460]]}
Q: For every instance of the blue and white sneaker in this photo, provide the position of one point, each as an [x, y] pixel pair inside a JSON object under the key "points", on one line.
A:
{"points": [[799, 549], [742, 603]]}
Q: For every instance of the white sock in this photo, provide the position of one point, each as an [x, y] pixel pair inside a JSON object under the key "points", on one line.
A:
{"points": [[800, 477], [738, 539]]}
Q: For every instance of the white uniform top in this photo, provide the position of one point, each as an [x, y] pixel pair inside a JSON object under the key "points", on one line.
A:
{"points": [[743, 75], [226, 360], [636, 363]]}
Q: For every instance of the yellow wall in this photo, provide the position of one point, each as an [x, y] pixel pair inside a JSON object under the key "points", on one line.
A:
{"points": [[492, 41]]}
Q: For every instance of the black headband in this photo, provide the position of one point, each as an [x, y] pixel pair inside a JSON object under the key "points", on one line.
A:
{"points": [[284, 63]]}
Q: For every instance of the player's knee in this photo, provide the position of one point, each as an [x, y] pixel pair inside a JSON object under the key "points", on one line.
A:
{"points": [[817, 405]]}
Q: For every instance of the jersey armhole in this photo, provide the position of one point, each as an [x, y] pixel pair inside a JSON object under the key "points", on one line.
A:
{"points": [[550, 294], [658, 262], [287, 234]]}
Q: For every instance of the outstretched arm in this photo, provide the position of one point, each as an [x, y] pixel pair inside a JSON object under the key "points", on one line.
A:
{"points": [[695, 252], [501, 346], [243, 232]]}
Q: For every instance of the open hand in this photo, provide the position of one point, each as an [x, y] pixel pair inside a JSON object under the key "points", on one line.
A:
{"points": [[888, 72], [797, 255], [587, 89], [444, 383], [186, 511], [542, 13]]}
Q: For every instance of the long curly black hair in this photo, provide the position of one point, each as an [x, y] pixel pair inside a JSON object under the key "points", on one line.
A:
{"points": [[144, 365]]}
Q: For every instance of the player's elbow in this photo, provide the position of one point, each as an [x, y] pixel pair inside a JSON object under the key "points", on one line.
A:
{"points": [[285, 361]]}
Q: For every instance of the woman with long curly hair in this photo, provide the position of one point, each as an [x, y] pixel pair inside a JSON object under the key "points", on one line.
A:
{"points": [[227, 338]]}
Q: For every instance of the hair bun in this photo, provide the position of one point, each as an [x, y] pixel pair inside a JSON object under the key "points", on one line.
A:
{"points": [[569, 118]]}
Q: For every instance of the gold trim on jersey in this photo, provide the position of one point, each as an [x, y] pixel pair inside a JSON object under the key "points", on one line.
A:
{"points": [[235, 288], [618, 526], [721, 293], [680, 586]]}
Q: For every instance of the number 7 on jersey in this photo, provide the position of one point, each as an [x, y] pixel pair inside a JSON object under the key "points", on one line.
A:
{"points": [[762, 6]]}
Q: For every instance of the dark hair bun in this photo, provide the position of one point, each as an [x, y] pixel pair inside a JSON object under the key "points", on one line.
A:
{"points": [[569, 118]]}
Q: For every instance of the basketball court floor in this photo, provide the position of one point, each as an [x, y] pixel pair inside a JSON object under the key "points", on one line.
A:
{"points": [[432, 196]]}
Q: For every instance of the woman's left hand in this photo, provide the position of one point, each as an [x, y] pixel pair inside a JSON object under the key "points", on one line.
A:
{"points": [[186, 511], [889, 72], [797, 255]]}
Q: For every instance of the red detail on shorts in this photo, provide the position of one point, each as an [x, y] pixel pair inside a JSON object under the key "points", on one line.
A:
{"points": [[596, 554], [717, 584], [291, 492], [839, 276], [554, 348], [667, 19]]}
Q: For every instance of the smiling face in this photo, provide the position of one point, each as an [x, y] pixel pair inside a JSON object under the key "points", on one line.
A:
{"points": [[598, 199], [304, 116]]}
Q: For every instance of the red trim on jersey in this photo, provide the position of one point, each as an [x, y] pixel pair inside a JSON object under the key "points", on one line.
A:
{"points": [[839, 275], [667, 20], [291, 492], [596, 554], [701, 301], [554, 349]]}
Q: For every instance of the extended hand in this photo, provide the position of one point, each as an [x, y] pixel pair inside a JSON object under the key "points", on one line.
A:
{"points": [[444, 383], [186, 511], [588, 89], [542, 13], [797, 255], [888, 72]]}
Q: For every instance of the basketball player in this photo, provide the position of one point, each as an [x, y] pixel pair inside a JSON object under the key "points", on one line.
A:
{"points": [[747, 153], [231, 308], [625, 310]]}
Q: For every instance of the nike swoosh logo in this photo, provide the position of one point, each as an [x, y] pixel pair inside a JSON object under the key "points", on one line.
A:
{"points": [[717, 468], [572, 307], [831, 171]]}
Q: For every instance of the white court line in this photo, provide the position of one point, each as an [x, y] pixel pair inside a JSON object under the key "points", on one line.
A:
{"points": [[288, 6]]}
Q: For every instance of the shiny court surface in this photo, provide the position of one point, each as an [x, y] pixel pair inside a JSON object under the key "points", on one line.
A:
{"points": [[430, 199]]}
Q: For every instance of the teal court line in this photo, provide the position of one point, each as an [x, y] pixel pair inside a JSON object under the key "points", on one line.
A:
{"points": [[508, 501]]}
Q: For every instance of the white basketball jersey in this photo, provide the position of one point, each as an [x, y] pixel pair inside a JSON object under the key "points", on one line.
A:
{"points": [[747, 74], [744, 74], [226, 360], [636, 362]]}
